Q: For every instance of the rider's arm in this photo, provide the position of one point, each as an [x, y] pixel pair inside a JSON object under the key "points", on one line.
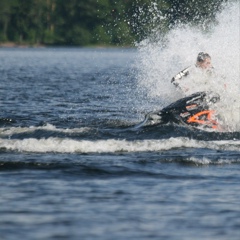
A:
{"points": [[177, 78]]}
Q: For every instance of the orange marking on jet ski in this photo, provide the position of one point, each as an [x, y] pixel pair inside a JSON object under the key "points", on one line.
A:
{"points": [[207, 114]]}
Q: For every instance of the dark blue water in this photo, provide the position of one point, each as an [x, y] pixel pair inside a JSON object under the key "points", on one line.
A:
{"points": [[72, 166]]}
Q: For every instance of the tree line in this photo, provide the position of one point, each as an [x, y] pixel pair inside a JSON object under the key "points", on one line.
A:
{"points": [[98, 22]]}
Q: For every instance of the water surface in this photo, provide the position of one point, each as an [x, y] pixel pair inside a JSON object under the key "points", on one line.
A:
{"points": [[71, 166]]}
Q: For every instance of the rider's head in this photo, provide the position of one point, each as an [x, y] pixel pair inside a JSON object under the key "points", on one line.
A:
{"points": [[204, 60]]}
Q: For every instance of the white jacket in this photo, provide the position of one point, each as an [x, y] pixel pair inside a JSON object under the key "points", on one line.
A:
{"points": [[193, 79]]}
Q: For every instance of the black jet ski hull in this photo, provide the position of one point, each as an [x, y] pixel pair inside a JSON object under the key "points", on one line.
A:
{"points": [[196, 110]]}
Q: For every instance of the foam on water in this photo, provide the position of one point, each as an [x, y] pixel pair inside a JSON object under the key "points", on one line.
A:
{"points": [[158, 64], [67, 145], [8, 132]]}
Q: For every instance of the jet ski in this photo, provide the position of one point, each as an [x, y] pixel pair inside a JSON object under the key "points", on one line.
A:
{"points": [[195, 110]]}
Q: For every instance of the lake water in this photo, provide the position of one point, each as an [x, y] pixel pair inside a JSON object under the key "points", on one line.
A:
{"points": [[71, 167]]}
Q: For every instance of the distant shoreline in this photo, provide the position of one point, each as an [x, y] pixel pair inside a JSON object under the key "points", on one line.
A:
{"points": [[17, 45]]}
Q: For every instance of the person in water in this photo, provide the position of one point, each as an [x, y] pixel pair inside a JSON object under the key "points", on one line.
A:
{"points": [[202, 71]]}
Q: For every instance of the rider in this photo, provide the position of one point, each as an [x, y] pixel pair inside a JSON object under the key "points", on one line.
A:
{"points": [[203, 69], [197, 78]]}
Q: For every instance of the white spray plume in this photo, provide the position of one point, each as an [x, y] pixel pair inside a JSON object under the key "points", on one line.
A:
{"points": [[157, 64]]}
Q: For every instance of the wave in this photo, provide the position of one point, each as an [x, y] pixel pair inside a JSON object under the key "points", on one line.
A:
{"points": [[164, 143], [47, 127], [67, 145]]}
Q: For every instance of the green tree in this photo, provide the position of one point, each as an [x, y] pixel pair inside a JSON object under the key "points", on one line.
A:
{"points": [[81, 22], [77, 20], [5, 16]]}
